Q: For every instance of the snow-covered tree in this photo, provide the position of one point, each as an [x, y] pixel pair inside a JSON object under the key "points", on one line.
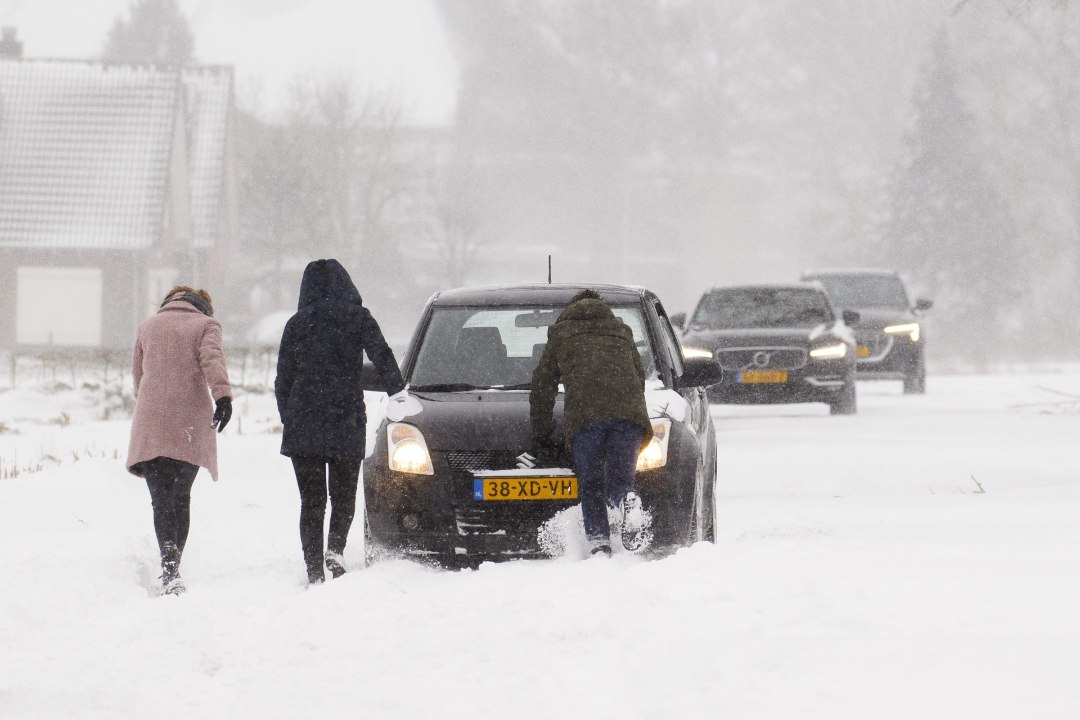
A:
{"points": [[950, 227]]}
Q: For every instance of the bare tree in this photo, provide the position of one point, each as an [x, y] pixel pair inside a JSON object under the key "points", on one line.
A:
{"points": [[155, 31], [455, 221]]}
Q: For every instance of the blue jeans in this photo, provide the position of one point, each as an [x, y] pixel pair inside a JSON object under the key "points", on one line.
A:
{"points": [[605, 459]]}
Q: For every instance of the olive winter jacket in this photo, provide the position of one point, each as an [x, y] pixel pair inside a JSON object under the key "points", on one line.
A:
{"points": [[592, 353]]}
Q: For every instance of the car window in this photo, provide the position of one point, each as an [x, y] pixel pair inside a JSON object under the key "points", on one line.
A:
{"points": [[671, 342], [499, 347], [865, 291], [738, 308]]}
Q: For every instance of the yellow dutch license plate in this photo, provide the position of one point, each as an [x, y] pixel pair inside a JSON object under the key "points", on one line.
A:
{"points": [[525, 488], [862, 351], [763, 377]]}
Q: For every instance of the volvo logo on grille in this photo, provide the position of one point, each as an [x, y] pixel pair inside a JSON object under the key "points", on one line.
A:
{"points": [[760, 359]]}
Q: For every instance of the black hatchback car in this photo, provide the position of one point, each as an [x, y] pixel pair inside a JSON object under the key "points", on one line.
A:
{"points": [[776, 344], [447, 483], [891, 343]]}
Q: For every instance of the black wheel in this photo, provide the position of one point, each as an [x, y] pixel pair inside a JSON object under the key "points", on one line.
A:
{"points": [[709, 534], [370, 553], [845, 404], [915, 383]]}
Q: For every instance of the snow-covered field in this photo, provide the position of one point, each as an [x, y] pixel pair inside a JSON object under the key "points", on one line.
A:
{"points": [[921, 559]]}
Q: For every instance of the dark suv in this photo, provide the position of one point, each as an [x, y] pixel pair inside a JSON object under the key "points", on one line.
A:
{"points": [[448, 483], [776, 344], [891, 343]]}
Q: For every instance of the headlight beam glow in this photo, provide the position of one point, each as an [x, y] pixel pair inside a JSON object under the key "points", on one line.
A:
{"points": [[829, 352], [655, 453], [910, 329], [408, 452]]}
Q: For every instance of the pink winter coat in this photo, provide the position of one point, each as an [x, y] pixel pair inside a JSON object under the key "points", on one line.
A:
{"points": [[177, 356]]}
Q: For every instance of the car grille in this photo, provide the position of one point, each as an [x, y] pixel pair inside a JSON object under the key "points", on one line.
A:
{"points": [[524, 518], [771, 358], [464, 462]]}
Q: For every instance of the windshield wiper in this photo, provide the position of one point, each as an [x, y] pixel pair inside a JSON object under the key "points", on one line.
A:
{"points": [[448, 387], [519, 386]]}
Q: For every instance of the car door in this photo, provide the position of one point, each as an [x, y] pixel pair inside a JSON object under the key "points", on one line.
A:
{"points": [[699, 419]]}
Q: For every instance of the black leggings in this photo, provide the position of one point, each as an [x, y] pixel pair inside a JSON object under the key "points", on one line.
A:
{"points": [[169, 482], [311, 479]]}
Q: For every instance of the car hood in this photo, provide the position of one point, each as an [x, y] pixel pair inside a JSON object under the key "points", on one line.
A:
{"points": [[481, 420], [499, 420], [877, 318], [754, 337]]}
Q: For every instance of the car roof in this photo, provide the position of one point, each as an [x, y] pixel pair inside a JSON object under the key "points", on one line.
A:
{"points": [[534, 294], [863, 272], [806, 285]]}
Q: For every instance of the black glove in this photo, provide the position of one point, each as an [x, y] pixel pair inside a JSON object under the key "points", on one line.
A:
{"points": [[546, 450], [222, 413]]}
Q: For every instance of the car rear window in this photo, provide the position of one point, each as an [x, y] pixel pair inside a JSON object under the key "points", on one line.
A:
{"points": [[762, 308], [498, 347]]}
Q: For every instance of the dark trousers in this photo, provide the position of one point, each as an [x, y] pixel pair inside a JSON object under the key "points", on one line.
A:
{"points": [[605, 460], [169, 482], [311, 477]]}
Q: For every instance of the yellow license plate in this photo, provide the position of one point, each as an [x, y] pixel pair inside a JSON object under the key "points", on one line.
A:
{"points": [[862, 351], [525, 488], [762, 377]]}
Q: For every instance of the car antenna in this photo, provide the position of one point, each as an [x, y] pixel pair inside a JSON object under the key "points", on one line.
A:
{"points": [[549, 269]]}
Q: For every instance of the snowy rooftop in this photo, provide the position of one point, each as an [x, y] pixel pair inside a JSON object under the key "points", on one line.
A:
{"points": [[85, 150]]}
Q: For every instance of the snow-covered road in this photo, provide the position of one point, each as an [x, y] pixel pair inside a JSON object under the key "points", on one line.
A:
{"points": [[921, 559]]}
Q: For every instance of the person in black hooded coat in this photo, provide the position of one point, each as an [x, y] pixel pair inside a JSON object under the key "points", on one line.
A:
{"points": [[321, 403]]}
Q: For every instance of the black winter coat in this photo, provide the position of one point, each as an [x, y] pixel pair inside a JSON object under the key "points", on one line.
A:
{"points": [[319, 395]]}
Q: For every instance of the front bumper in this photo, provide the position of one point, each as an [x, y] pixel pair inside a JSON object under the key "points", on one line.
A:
{"points": [[817, 382], [436, 515], [886, 357]]}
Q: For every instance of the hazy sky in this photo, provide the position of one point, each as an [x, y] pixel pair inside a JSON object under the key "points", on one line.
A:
{"points": [[394, 45]]}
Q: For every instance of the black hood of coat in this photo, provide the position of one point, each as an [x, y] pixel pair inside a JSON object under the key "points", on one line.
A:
{"points": [[327, 280]]}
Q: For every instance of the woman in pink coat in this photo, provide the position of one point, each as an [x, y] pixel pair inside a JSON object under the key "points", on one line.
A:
{"points": [[177, 357]]}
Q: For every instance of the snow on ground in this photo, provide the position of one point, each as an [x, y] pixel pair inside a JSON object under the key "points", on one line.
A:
{"points": [[917, 560]]}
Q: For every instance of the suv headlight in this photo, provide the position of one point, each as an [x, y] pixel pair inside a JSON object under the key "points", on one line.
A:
{"points": [[910, 329], [408, 451], [655, 453], [829, 352]]}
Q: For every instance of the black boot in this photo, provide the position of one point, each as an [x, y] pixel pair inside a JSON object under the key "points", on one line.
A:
{"points": [[335, 563], [171, 584]]}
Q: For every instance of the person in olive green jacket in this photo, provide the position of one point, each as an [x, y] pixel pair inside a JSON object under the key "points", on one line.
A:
{"points": [[607, 423]]}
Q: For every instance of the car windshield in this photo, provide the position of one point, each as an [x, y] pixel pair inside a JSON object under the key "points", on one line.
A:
{"points": [[865, 291], [497, 348], [762, 308]]}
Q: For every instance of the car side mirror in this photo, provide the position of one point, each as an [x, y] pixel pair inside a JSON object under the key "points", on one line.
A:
{"points": [[701, 372], [850, 317], [678, 320], [922, 304], [370, 379]]}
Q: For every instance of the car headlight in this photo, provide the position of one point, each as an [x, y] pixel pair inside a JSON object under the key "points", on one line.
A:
{"points": [[829, 352], [910, 329], [408, 451], [693, 352], [655, 453]]}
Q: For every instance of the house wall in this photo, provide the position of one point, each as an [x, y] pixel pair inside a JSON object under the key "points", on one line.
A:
{"points": [[124, 298]]}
